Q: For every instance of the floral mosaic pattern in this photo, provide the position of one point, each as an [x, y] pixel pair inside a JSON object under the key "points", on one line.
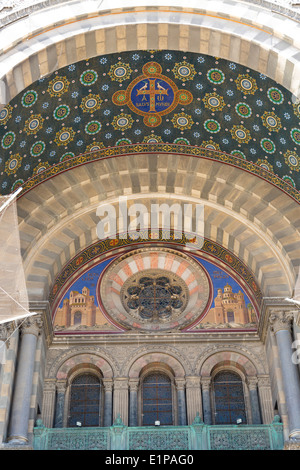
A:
{"points": [[222, 106]]}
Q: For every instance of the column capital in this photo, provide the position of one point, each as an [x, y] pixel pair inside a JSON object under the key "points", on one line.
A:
{"points": [[32, 325], [180, 383], [252, 382], [263, 381], [49, 385], [121, 383], [133, 384], [205, 382], [6, 329], [281, 320], [108, 384], [61, 385], [192, 381]]}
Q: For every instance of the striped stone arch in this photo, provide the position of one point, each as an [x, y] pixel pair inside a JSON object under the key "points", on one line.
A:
{"points": [[141, 362], [63, 369], [249, 34], [231, 359]]}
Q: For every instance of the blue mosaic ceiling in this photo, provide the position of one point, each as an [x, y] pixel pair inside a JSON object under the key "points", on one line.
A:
{"points": [[150, 98]]}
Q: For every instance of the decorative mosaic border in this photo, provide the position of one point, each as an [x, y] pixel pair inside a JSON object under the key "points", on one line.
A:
{"points": [[134, 149], [104, 246]]}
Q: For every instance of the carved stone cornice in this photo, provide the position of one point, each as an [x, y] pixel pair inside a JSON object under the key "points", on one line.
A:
{"points": [[281, 320]]}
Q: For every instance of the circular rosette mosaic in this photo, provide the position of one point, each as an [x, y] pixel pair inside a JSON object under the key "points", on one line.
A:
{"points": [[182, 121], [88, 77], [5, 114], [243, 110], [13, 164], [8, 140], [37, 148], [91, 103], [64, 136], [246, 84], [33, 124], [58, 86], [29, 98], [267, 145], [271, 121], [275, 95], [154, 290], [216, 76], [184, 71], [120, 72], [241, 134], [61, 112], [211, 125], [214, 102], [292, 160]]}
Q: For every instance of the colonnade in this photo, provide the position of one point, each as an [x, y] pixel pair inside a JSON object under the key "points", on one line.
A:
{"points": [[121, 393]]}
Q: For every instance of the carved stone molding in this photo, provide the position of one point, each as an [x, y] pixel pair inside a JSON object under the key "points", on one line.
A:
{"points": [[281, 320]]}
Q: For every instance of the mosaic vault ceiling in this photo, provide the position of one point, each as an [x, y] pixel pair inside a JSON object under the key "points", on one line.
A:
{"points": [[141, 101]]}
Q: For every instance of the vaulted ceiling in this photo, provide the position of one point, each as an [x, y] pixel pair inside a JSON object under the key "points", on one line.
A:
{"points": [[228, 136]]}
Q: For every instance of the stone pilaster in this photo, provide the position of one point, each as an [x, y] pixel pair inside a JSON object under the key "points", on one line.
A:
{"points": [[181, 401], [206, 400], [108, 402], [254, 400], [61, 387], [193, 398], [121, 399], [265, 398], [48, 407], [133, 405]]}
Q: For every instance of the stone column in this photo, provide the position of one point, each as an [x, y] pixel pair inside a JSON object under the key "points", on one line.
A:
{"points": [[108, 402], [48, 408], [193, 398], [121, 399], [281, 323], [133, 402], [181, 402], [206, 384], [30, 330], [254, 400], [61, 386]]}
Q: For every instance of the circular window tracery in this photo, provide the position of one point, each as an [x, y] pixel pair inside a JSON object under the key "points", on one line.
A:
{"points": [[153, 295]]}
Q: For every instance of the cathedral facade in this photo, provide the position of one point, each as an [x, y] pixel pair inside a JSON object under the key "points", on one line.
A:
{"points": [[155, 148]]}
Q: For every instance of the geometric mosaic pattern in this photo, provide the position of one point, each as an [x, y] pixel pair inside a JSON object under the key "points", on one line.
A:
{"points": [[140, 97]]}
